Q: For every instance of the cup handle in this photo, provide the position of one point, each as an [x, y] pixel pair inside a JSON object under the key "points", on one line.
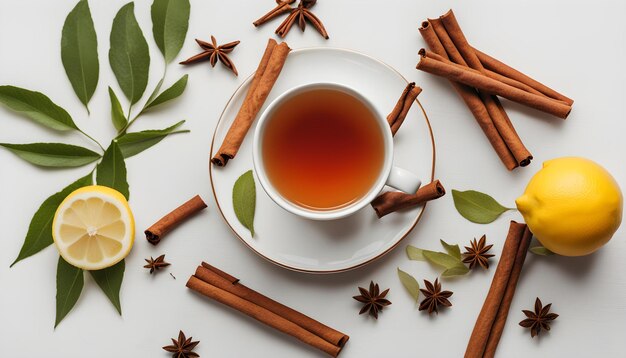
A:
{"points": [[403, 180]]}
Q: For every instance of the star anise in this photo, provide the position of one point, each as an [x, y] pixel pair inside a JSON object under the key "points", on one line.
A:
{"points": [[302, 14], [214, 52], [539, 319], [156, 264], [373, 300], [282, 6], [183, 347], [434, 297], [477, 253]]}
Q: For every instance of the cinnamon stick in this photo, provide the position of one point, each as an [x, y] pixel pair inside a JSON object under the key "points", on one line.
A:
{"points": [[494, 75], [497, 303], [210, 274], [215, 284], [469, 95], [509, 292], [402, 107], [155, 233], [392, 201], [264, 78], [282, 6], [500, 68], [489, 85], [446, 26]]}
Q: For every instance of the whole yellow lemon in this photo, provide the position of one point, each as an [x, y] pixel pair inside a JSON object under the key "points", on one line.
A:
{"points": [[572, 205]]}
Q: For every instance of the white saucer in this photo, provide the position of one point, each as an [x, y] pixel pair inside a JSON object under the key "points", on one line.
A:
{"points": [[317, 246]]}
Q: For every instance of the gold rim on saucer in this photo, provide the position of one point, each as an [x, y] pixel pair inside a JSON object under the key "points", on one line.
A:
{"points": [[432, 174]]}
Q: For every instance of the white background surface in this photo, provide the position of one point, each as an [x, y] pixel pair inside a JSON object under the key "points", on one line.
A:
{"points": [[576, 47]]}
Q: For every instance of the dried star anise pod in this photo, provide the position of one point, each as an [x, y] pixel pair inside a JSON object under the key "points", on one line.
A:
{"points": [[434, 297], [156, 264], [477, 253], [301, 13], [539, 319], [214, 52], [183, 347], [373, 300], [282, 6]]}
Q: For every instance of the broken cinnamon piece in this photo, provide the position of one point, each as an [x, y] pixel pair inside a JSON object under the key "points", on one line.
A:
{"points": [[399, 112], [155, 233], [392, 201], [264, 78]]}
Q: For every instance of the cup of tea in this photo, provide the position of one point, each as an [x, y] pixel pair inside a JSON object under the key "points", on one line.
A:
{"points": [[322, 151]]}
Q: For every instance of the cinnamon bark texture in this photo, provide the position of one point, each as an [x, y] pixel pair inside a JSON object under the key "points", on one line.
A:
{"points": [[264, 78], [490, 322], [435, 41], [392, 201], [155, 233], [503, 69], [495, 109], [486, 77], [489, 85], [224, 288], [399, 112]]}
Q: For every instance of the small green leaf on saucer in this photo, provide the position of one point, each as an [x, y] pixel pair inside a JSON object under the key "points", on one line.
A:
{"points": [[541, 251], [244, 200], [410, 283], [477, 207]]}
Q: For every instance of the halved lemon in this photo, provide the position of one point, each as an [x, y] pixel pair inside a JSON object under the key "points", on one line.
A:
{"points": [[94, 228]]}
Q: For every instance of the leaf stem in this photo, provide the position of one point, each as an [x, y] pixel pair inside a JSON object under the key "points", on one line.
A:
{"points": [[155, 92], [92, 139]]}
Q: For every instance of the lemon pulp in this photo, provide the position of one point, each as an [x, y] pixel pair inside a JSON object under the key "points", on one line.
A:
{"points": [[93, 228]]}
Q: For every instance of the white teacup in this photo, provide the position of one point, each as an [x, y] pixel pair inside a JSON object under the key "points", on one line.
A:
{"points": [[395, 177]]}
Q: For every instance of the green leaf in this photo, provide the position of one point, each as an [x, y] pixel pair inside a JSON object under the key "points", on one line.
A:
{"points": [[244, 200], [111, 171], [170, 20], [57, 155], [70, 282], [36, 106], [453, 250], [117, 113], [415, 253], [134, 143], [410, 283], [129, 55], [455, 271], [79, 52], [110, 281], [541, 251], [169, 94], [39, 234], [444, 260], [477, 207]]}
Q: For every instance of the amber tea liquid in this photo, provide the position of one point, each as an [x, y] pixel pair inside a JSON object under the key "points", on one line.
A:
{"points": [[323, 149]]}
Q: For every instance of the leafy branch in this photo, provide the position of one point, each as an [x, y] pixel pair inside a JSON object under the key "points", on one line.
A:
{"points": [[130, 61]]}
